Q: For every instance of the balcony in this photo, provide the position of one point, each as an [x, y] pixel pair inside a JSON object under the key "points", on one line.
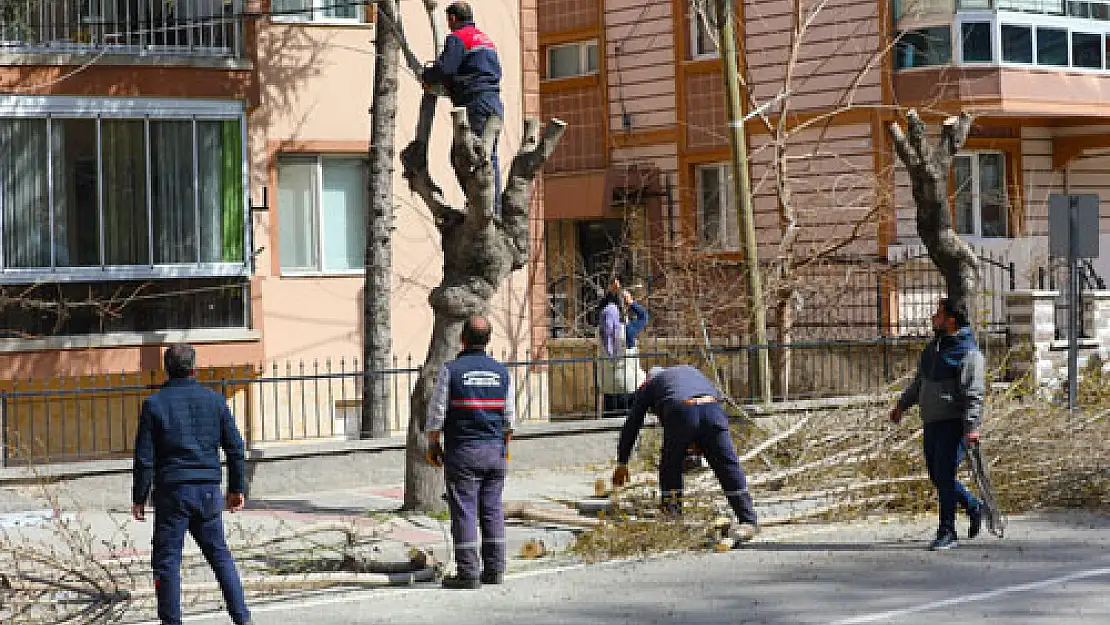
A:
{"points": [[147, 28]]}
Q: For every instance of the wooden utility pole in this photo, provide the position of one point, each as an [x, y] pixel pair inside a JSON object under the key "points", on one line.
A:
{"points": [[741, 187]]}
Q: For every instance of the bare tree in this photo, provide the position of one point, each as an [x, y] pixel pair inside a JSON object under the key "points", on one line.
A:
{"points": [[928, 169]]}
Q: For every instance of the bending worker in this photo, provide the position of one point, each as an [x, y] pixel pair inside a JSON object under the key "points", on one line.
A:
{"points": [[689, 407], [470, 423]]}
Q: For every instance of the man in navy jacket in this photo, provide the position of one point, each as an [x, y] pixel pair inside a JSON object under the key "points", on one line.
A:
{"points": [[470, 70], [470, 423], [181, 430]]}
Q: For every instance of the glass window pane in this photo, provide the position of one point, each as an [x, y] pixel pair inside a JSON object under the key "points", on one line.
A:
{"points": [[174, 209], [292, 9], [296, 214], [703, 41], [343, 214], [24, 151], [1086, 50], [591, 58], [1017, 44], [123, 158], [709, 206], [976, 41], [563, 61], [338, 9], [964, 203], [925, 47], [1052, 47], [222, 215], [992, 194], [76, 191], [1079, 9]]}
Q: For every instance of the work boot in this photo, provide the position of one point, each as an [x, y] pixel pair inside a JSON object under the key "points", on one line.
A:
{"points": [[974, 520], [493, 578], [945, 540], [743, 533], [455, 582]]}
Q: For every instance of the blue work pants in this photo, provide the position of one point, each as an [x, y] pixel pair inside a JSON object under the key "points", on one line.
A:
{"points": [[944, 451], [475, 477]]}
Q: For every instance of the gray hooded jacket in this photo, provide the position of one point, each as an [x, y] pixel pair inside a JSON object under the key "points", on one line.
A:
{"points": [[950, 381]]}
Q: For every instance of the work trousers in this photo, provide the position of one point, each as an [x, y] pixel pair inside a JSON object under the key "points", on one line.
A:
{"points": [[475, 476], [944, 451], [195, 508], [478, 115], [707, 426]]}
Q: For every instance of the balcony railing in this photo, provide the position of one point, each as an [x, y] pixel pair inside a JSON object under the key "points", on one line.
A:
{"points": [[200, 28], [1091, 9]]}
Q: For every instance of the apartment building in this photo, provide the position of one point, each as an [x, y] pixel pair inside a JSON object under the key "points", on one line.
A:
{"points": [[196, 170], [646, 161]]}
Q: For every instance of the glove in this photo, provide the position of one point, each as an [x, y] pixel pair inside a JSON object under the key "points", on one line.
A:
{"points": [[434, 455], [620, 475], [508, 456]]}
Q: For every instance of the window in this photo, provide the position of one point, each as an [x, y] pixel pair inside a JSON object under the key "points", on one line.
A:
{"points": [[703, 29], [975, 40], [1086, 50], [924, 47], [322, 214], [572, 59], [1052, 47], [144, 197], [980, 203], [1017, 44], [717, 218], [317, 10]]}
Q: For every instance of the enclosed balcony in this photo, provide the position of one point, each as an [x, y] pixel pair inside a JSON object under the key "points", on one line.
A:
{"points": [[152, 28]]}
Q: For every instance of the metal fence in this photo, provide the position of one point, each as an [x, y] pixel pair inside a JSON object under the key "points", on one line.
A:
{"points": [[293, 403], [144, 27], [1053, 276]]}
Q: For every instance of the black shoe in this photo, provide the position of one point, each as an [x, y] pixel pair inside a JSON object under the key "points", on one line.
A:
{"points": [[944, 541], [975, 521], [462, 583], [493, 578]]}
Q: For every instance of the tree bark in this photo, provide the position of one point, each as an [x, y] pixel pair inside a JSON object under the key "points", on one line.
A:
{"points": [[928, 170], [377, 324], [479, 252]]}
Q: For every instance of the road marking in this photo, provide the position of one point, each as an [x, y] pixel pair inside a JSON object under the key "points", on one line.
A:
{"points": [[979, 596]]}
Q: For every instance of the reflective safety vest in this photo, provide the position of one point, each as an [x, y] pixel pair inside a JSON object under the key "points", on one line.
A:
{"points": [[477, 392]]}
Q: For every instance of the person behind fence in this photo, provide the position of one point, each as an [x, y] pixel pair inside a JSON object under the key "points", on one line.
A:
{"points": [[690, 410], [619, 371], [182, 428], [949, 386], [469, 426], [470, 70]]}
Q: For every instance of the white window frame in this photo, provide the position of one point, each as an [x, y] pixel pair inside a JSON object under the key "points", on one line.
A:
{"points": [[976, 194], [583, 59], [316, 16], [139, 109], [725, 194], [1032, 21], [317, 217], [696, 27]]}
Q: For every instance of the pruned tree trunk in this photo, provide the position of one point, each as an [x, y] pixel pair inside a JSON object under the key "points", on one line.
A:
{"points": [[928, 170], [479, 252], [377, 324]]}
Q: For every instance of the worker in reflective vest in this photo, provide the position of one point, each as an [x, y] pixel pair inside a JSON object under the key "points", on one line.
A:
{"points": [[470, 423]]}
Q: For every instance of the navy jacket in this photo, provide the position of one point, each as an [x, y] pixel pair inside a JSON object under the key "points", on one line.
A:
{"points": [[659, 394], [478, 392], [182, 428], [470, 70]]}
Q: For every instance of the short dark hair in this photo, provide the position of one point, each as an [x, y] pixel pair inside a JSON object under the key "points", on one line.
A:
{"points": [[180, 360], [957, 310], [461, 11], [476, 331]]}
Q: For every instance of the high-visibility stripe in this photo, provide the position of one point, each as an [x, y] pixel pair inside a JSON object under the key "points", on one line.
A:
{"points": [[477, 403]]}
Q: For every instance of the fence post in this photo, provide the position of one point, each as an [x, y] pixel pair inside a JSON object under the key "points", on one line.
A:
{"points": [[881, 327], [3, 429]]}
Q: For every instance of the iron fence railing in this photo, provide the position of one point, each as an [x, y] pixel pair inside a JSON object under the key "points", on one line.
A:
{"points": [[1053, 276], [95, 418], [211, 28]]}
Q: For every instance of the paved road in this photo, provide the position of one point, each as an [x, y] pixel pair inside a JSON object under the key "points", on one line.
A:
{"points": [[1049, 569]]}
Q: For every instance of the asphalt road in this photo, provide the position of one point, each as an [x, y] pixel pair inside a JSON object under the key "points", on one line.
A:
{"points": [[1051, 568]]}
